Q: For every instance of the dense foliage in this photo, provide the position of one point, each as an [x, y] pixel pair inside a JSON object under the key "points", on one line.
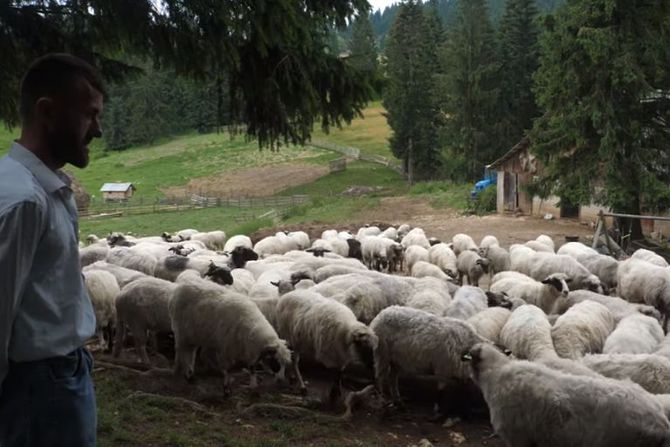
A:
{"points": [[604, 84], [272, 54]]}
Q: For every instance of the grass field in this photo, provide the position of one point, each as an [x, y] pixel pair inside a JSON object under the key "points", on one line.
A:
{"points": [[370, 134]]}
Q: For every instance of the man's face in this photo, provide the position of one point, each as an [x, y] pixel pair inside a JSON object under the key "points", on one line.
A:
{"points": [[76, 123]]}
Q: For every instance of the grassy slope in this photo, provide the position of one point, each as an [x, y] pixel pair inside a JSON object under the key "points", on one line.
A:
{"points": [[370, 134]]}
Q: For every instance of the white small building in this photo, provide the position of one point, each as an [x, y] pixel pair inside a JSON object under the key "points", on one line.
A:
{"points": [[117, 191]]}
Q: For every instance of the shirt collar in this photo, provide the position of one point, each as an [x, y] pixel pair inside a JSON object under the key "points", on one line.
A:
{"points": [[50, 180]]}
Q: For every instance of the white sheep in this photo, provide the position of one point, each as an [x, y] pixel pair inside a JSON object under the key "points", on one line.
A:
{"points": [[374, 252], [170, 267], [462, 242], [664, 347], [92, 253], [489, 322], [583, 329], [470, 300], [301, 238], [239, 240], [499, 258], [533, 405], [604, 267], [403, 230], [122, 275], [368, 231], [417, 237], [328, 234], [325, 331], [650, 371], [544, 264], [538, 246], [527, 333], [430, 295], [520, 258], [414, 342], [540, 293], [650, 257], [546, 240], [414, 254], [214, 240], [443, 257], [390, 233], [186, 234], [642, 282], [103, 289], [275, 245], [472, 267], [423, 269], [635, 334], [489, 241], [618, 308], [142, 306], [128, 258], [227, 324]]}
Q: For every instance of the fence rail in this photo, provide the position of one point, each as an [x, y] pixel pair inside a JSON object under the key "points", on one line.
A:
{"points": [[193, 201], [353, 152]]}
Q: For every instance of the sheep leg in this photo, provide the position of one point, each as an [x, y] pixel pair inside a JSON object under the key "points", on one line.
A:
{"points": [[110, 337], [118, 343], [336, 389], [394, 390], [295, 360], [141, 345], [227, 381], [184, 362], [101, 339], [253, 378]]}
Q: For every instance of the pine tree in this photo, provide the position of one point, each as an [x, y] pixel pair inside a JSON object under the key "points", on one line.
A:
{"points": [[362, 45], [272, 53], [605, 85], [469, 92], [519, 53], [408, 96]]}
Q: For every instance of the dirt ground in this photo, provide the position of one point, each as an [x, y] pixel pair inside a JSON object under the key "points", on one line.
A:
{"points": [[443, 223], [254, 182]]}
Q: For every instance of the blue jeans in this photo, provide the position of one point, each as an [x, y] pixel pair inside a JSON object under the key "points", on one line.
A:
{"points": [[49, 403]]}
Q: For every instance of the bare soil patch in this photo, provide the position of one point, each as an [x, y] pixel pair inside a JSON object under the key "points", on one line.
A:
{"points": [[252, 182]]}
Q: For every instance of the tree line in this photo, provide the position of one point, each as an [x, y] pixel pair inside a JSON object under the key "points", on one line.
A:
{"points": [[589, 84]]}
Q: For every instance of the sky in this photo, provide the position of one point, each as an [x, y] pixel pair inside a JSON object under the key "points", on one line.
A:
{"points": [[381, 4]]}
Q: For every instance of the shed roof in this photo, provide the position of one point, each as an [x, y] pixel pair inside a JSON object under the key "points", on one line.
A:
{"points": [[518, 148], [116, 187]]}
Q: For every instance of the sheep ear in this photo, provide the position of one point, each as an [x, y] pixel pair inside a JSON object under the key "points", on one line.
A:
{"points": [[310, 250], [325, 250], [568, 280], [275, 283], [269, 351], [546, 281]]}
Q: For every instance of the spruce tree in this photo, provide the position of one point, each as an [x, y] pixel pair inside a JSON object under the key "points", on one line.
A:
{"points": [[409, 94], [362, 45], [469, 92], [605, 86], [519, 60]]}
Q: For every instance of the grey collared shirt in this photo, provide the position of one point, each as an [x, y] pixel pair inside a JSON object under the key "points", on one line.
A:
{"points": [[45, 310]]}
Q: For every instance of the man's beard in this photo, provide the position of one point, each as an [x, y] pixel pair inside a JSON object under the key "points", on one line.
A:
{"points": [[67, 148]]}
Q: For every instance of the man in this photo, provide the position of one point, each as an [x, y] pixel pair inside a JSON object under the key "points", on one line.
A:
{"points": [[46, 392]]}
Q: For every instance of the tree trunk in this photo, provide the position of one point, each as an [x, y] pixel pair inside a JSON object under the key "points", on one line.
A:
{"points": [[631, 226], [410, 163]]}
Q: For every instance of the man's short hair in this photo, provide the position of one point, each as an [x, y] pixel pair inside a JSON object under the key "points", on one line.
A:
{"points": [[54, 74]]}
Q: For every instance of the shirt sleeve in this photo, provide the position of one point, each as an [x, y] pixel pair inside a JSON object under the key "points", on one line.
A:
{"points": [[21, 227]]}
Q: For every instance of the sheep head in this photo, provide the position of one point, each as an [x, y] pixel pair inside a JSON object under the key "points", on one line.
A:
{"points": [[218, 274]]}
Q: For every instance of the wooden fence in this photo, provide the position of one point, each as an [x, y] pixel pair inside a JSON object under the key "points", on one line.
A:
{"points": [[355, 153], [145, 206]]}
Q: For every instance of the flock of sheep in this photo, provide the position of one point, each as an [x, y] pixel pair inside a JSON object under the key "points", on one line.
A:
{"points": [[567, 346]]}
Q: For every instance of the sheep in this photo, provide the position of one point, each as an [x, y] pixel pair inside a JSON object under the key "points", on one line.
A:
{"points": [[546, 240], [423, 269], [664, 347], [527, 333], [412, 341], [471, 266], [395, 256], [470, 300], [543, 293], [325, 331], [403, 230], [650, 371], [520, 258], [538, 247], [239, 240], [365, 300], [544, 264], [443, 257], [430, 295], [103, 289], [186, 234], [489, 241], [334, 245], [575, 249], [489, 322], [92, 253], [414, 254], [93, 239], [374, 252], [125, 257], [499, 258], [277, 244], [533, 405], [328, 234], [604, 267], [635, 334], [415, 237], [170, 267], [228, 324], [122, 275], [390, 233], [462, 242], [301, 238], [142, 305], [642, 282], [120, 240], [214, 240], [650, 257], [367, 231], [618, 308], [582, 329], [328, 271]]}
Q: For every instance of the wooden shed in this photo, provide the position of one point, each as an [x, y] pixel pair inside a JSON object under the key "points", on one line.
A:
{"points": [[515, 170], [117, 191]]}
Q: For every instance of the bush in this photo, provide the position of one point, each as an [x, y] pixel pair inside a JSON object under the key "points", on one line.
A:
{"points": [[486, 202]]}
